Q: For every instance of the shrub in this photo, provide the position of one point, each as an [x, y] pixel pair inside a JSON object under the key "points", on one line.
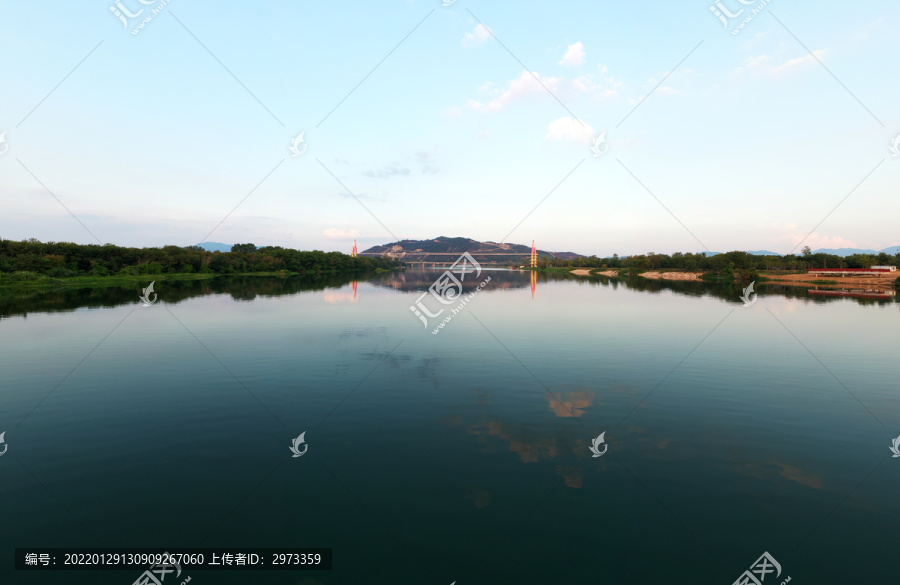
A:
{"points": [[25, 275], [59, 272]]}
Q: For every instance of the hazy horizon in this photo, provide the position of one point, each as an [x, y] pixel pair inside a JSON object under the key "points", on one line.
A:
{"points": [[211, 245]]}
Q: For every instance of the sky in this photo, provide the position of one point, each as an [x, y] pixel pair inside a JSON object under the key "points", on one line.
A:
{"points": [[475, 119]]}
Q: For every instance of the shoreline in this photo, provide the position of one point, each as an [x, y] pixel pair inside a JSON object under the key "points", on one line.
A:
{"points": [[883, 282], [674, 275], [875, 282], [44, 281]]}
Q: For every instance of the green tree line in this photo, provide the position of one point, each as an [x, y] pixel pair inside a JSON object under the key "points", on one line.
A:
{"points": [[729, 261], [62, 259]]}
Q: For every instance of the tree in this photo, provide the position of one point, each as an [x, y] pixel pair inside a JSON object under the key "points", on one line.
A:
{"points": [[245, 248], [806, 251]]}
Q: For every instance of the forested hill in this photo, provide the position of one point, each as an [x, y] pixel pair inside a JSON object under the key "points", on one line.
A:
{"points": [[407, 248], [61, 259]]}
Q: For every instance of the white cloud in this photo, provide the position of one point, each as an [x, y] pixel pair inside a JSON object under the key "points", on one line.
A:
{"points": [[585, 83], [531, 82], [524, 85], [574, 55], [762, 64], [659, 91], [477, 37], [793, 64], [569, 129], [334, 298], [386, 171], [791, 234], [862, 33], [754, 64], [340, 234]]}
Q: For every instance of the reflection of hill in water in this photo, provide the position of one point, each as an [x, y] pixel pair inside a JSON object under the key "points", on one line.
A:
{"points": [[246, 288], [420, 280]]}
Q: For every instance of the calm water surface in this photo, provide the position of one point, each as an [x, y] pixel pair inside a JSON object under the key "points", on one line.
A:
{"points": [[462, 456]]}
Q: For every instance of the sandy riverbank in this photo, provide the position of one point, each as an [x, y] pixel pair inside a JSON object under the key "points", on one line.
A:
{"points": [[875, 282], [581, 272], [673, 275]]}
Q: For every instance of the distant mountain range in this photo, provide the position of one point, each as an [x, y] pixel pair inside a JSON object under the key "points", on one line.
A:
{"points": [[843, 252], [763, 253], [568, 255], [851, 251], [215, 246]]}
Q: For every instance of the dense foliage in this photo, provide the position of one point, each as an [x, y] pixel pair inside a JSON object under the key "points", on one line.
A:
{"points": [[730, 260], [60, 259]]}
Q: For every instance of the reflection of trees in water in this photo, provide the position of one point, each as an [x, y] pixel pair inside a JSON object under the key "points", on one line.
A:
{"points": [[728, 292], [21, 301], [420, 280], [16, 301]]}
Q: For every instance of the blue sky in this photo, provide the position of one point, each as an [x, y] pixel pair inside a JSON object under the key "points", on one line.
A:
{"points": [[748, 140]]}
